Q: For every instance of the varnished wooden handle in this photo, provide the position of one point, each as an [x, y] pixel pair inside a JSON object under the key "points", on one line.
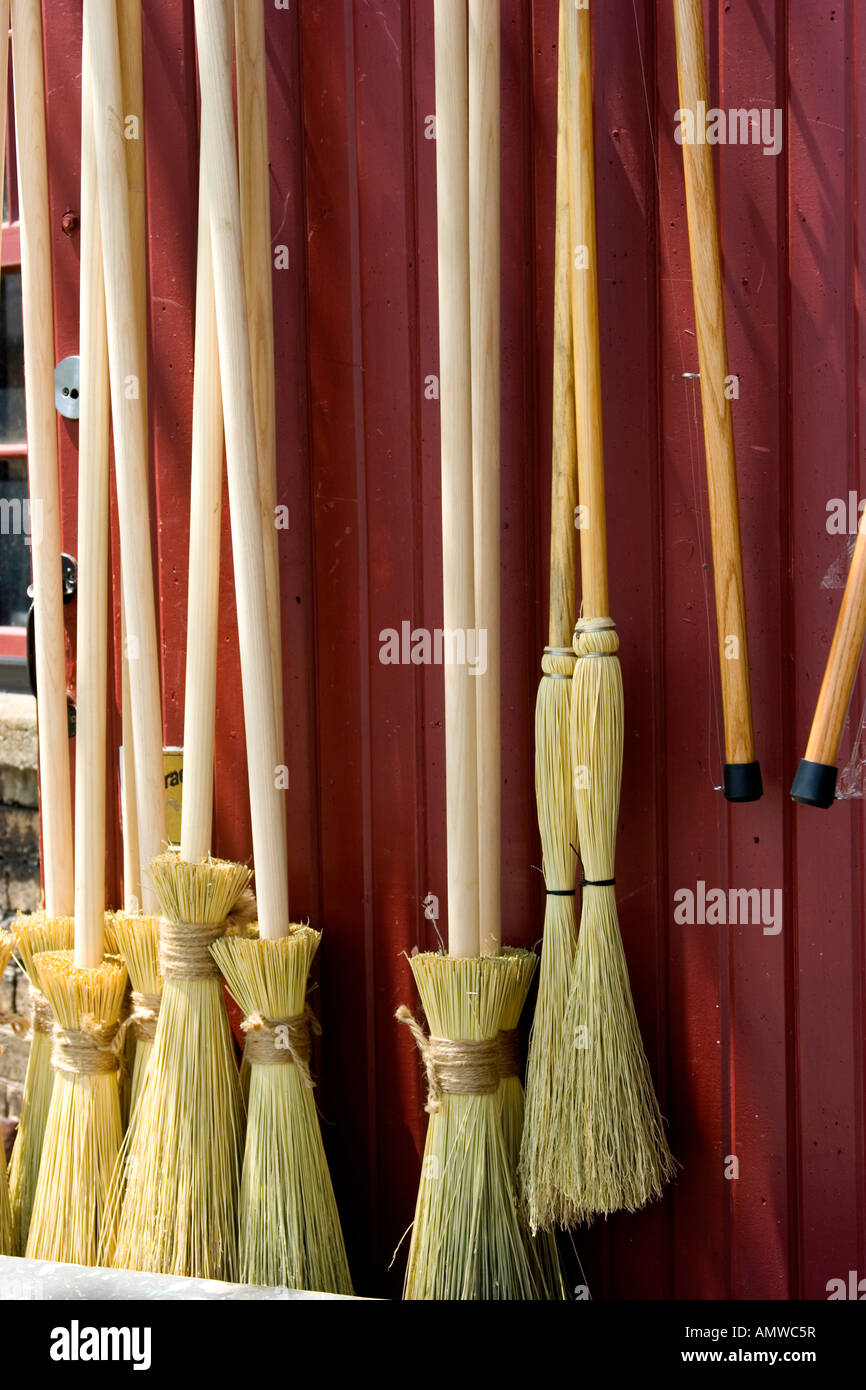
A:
{"points": [[130, 435], [452, 196], [267, 798], [38, 322], [718, 421], [563, 493], [484, 182], [584, 310], [205, 510], [93, 534], [254, 177], [842, 663]]}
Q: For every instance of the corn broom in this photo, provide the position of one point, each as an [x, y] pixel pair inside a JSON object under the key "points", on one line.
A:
{"points": [[554, 786], [467, 1240], [614, 1152], [8, 1231]]}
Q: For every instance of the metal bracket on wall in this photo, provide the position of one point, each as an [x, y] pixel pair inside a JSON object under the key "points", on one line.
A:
{"points": [[69, 576], [67, 375]]}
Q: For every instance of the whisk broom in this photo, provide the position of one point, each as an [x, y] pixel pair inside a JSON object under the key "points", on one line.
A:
{"points": [[52, 927], [742, 776], [289, 1226], [467, 1241], [554, 783], [614, 1152]]}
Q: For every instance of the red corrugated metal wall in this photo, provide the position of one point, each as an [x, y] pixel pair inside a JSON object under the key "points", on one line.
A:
{"points": [[756, 1040]]}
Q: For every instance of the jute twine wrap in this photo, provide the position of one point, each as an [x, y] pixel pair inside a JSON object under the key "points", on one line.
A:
{"points": [[184, 950], [276, 1042], [144, 1016], [41, 1017], [462, 1068], [91, 1050]]}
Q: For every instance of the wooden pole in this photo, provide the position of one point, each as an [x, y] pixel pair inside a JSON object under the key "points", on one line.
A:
{"points": [[93, 533], [484, 200], [254, 176], [563, 496], [205, 512], [130, 436], [132, 84], [815, 783], [458, 579], [742, 774], [38, 317], [267, 800], [4, 89]]}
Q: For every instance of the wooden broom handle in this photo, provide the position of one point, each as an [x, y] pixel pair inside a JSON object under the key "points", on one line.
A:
{"points": [[484, 198], [842, 663], [38, 321], [205, 512], [563, 493], [254, 176], [584, 310], [718, 421], [132, 83], [93, 536], [267, 801], [458, 582], [4, 90], [130, 435]]}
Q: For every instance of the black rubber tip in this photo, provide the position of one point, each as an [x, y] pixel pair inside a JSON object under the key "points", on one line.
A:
{"points": [[743, 782], [815, 785]]}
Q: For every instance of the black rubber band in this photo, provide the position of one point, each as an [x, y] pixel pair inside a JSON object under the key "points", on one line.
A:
{"points": [[598, 883], [560, 892]]}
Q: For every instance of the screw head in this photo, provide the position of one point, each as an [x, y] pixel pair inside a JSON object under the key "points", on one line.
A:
{"points": [[69, 222]]}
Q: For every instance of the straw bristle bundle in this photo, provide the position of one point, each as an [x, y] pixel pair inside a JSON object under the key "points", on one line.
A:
{"points": [[557, 823], [33, 934], [615, 1153], [138, 942], [467, 1241], [8, 1244], [173, 1202], [83, 1130], [289, 1225]]}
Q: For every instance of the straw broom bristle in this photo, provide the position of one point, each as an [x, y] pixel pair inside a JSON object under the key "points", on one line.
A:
{"points": [[557, 822], [467, 1241], [616, 1154], [289, 1226], [173, 1202], [33, 934], [541, 1249], [8, 1241], [83, 1131], [138, 942]]}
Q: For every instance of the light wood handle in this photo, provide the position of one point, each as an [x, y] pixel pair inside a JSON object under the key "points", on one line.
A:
{"points": [[132, 83], [842, 663], [452, 212], [563, 492], [484, 196], [584, 310], [267, 801], [718, 421], [93, 534], [4, 91], [254, 175], [205, 511], [38, 322], [130, 436]]}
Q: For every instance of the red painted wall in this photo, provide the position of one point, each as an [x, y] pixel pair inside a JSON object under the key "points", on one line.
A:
{"points": [[756, 1041]]}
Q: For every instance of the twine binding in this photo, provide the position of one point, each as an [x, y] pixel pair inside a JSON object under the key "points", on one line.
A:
{"points": [[274, 1042], [91, 1050], [144, 1017], [41, 1017], [184, 950], [456, 1068]]}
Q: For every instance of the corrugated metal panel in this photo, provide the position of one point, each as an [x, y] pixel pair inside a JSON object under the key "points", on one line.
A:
{"points": [[756, 1040]]}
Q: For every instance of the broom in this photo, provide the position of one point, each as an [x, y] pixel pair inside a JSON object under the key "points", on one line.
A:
{"points": [[174, 1197], [554, 787], [614, 1152], [815, 782], [51, 928], [467, 1240], [742, 779], [289, 1226], [484, 296], [8, 1232], [86, 990]]}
